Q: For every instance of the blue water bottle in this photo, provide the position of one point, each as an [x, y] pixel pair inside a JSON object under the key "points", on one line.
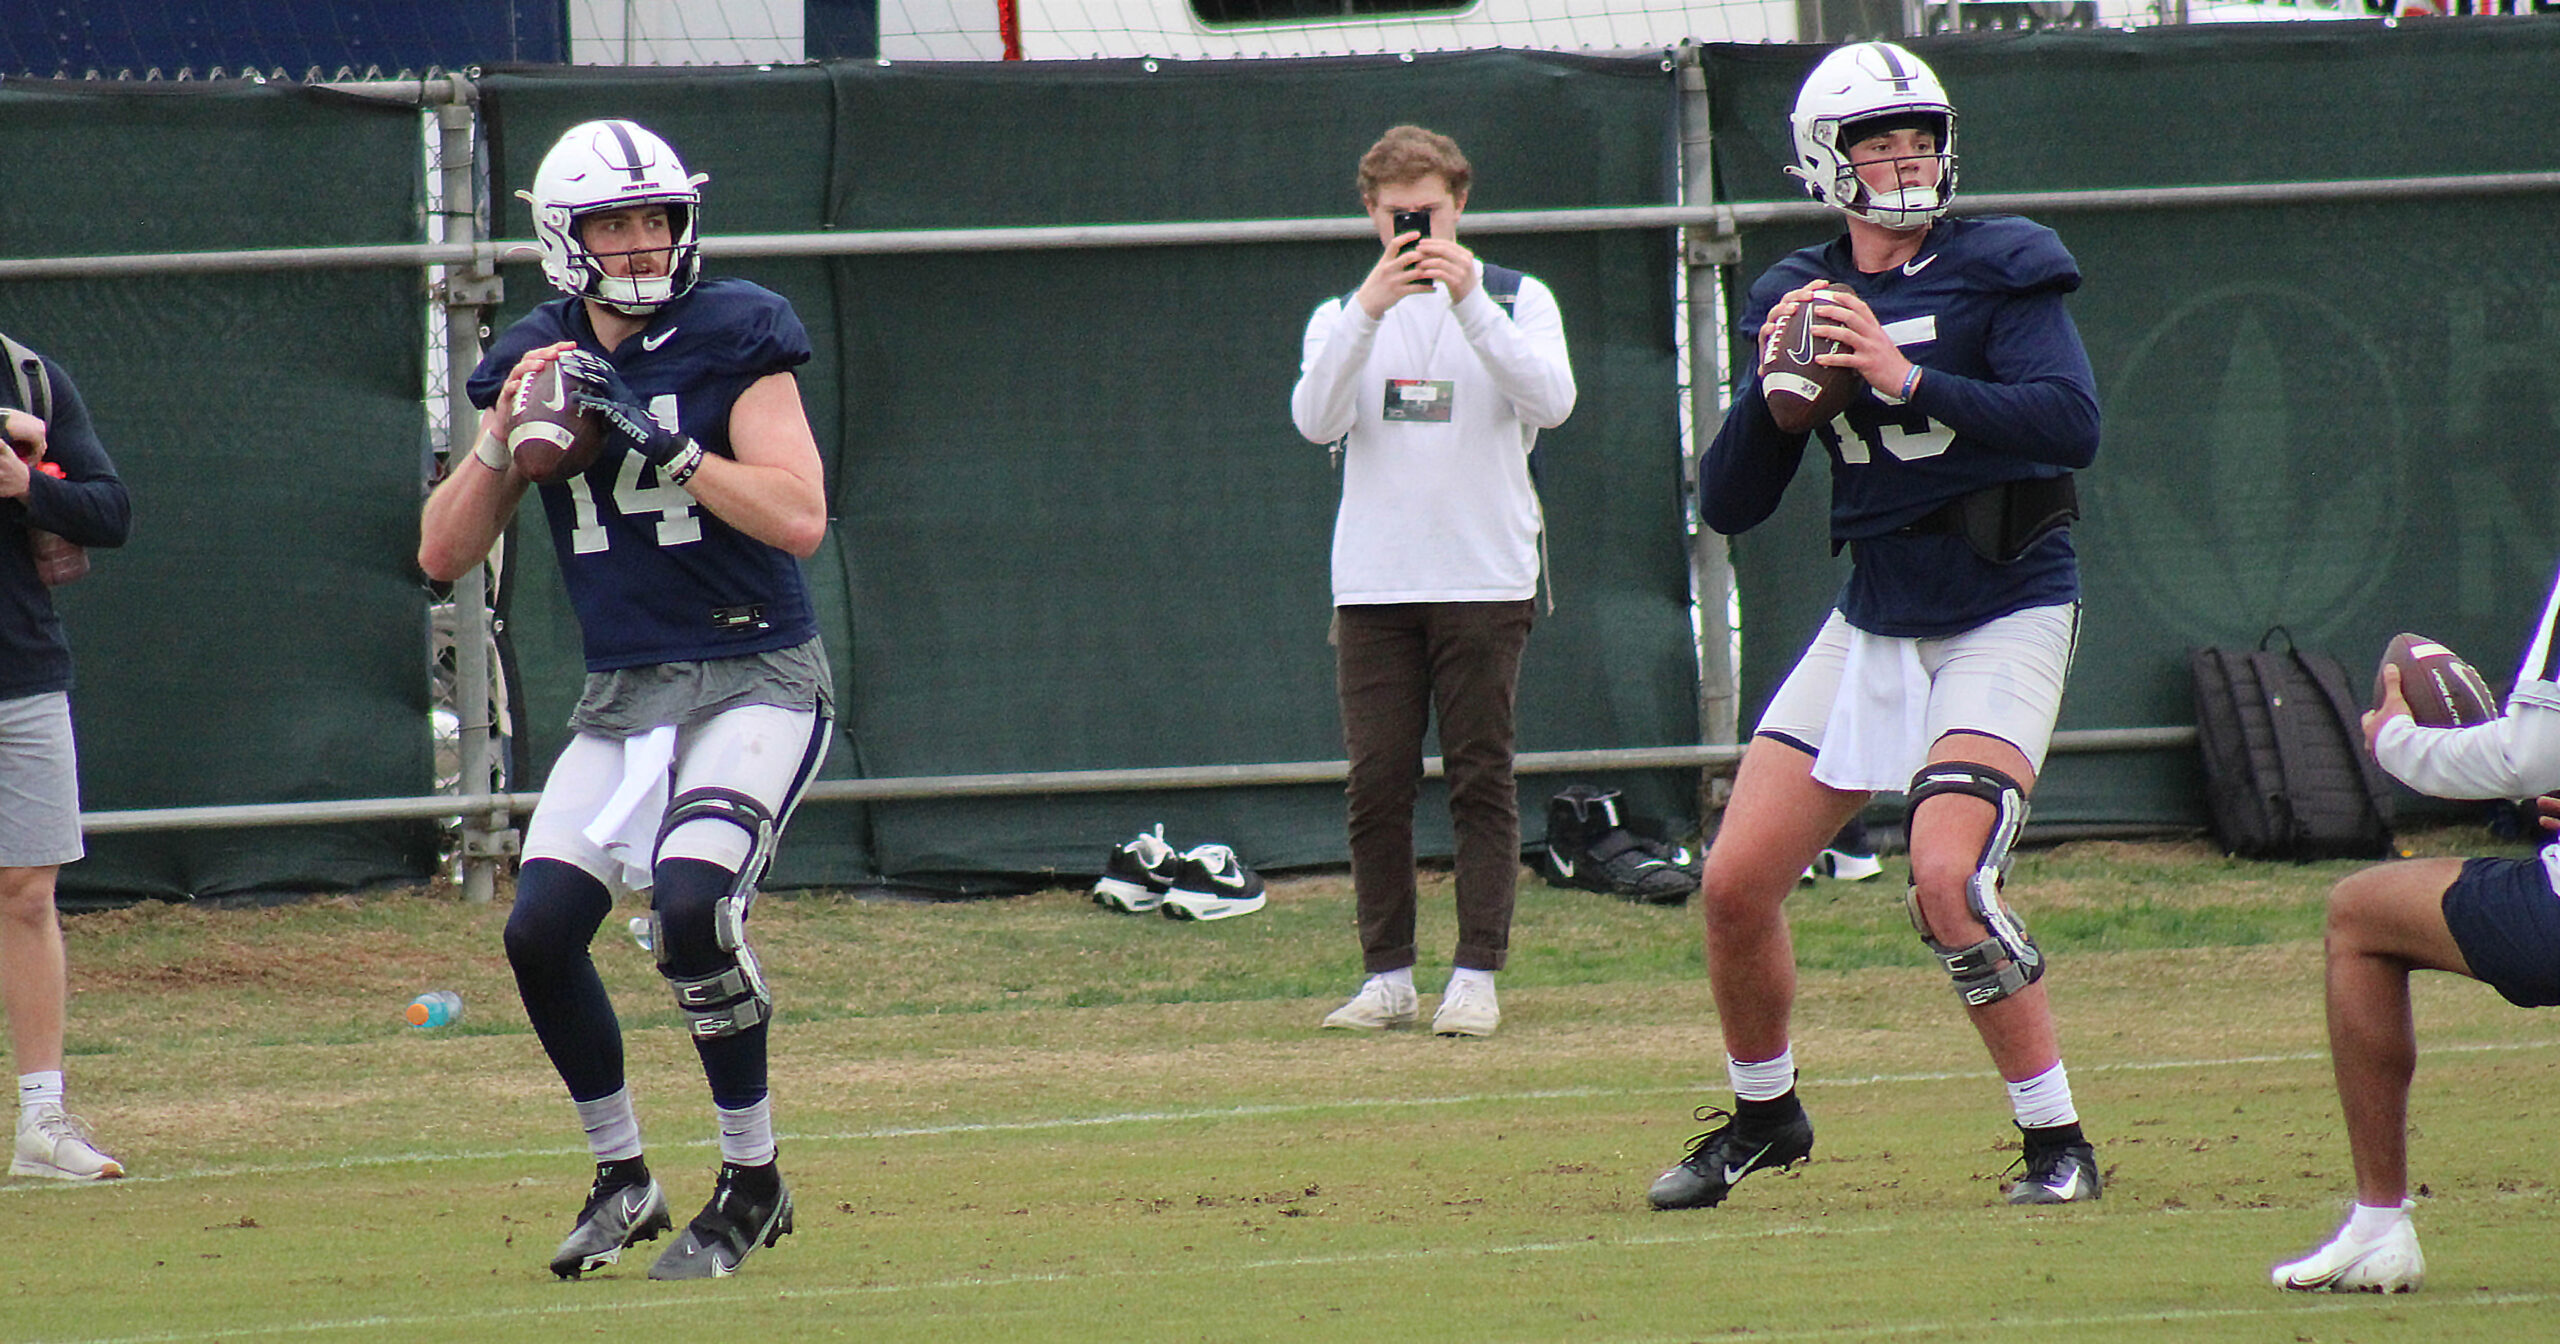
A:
{"points": [[435, 1008]]}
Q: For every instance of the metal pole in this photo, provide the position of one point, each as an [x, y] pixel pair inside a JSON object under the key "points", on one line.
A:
{"points": [[1705, 254], [465, 292]]}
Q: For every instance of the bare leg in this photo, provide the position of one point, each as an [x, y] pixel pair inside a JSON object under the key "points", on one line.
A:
{"points": [[33, 981], [2383, 923], [1777, 821]]}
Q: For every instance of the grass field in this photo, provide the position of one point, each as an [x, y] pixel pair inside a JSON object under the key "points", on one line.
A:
{"points": [[1031, 1120]]}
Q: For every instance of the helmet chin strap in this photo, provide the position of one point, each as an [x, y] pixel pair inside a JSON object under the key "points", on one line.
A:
{"points": [[1901, 210]]}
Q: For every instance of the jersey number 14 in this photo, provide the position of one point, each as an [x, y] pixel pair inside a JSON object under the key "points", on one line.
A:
{"points": [[677, 521]]}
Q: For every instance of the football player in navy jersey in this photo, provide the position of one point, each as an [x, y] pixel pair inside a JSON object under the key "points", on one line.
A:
{"points": [[708, 701], [1941, 670]]}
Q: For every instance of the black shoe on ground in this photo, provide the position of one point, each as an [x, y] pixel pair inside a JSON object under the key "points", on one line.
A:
{"points": [[738, 1219], [1722, 1156], [1137, 873], [2058, 1173], [619, 1211]]}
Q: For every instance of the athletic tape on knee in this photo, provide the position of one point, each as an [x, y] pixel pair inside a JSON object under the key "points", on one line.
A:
{"points": [[2008, 960]]}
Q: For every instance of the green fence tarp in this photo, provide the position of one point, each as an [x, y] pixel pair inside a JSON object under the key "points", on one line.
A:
{"points": [[263, 637], [1074, 528], [2336, 418]]}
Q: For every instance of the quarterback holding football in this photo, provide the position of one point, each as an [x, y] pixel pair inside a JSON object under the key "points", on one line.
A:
{"points": [[708, 702], [1940, 671]]}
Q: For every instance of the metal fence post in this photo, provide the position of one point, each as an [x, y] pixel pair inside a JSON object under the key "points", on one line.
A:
{"points": [[1706, 249], [467, 290]]}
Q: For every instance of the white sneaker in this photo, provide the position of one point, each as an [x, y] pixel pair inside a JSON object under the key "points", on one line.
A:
{"points": [[2391, 1263], [56, 1145], [1468, 1009], [1380, 1004]]}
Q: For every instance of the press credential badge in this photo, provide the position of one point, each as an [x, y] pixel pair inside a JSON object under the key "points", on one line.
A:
{"points": [[1420, 399]]}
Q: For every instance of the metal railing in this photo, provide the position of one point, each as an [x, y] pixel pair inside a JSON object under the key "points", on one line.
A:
{"points": [[470, 286]]}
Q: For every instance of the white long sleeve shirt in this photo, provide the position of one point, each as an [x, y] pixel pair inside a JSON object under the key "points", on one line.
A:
{"points": [[1436, 511]]}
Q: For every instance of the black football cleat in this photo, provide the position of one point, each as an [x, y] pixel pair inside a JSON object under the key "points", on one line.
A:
{"points": [[1719, 1158], [2061, 1173], [730, 1227], [615, 1216]]}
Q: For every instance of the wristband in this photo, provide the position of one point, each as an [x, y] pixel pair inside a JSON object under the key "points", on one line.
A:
{"points": [[681, 467], [492, 454], [1910, 380]]}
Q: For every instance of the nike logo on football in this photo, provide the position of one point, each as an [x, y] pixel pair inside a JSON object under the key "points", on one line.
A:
{"points": [[653, 342], [1912, 267]]}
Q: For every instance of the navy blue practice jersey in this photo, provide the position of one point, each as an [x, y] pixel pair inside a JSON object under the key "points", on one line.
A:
{"points": [[654, 577], [2006, 395]]}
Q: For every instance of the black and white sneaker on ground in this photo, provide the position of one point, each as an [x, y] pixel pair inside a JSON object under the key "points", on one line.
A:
{"points": [[615, 1216], [1591, 847], [2058, 1174], [1136, 874], [739, 1218], [1719, 1158], [1627, 866], [1843, 866], [1213, 884]]}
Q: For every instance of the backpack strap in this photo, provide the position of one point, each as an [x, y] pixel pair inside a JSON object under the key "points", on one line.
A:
{"points": [[35, 386], [2325, 674]]}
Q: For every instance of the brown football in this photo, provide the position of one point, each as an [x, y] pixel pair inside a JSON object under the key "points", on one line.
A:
{"points": [[2443, 691], [554, 438], [1801, 392]]}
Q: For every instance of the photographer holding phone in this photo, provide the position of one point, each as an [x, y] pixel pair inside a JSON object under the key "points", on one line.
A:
{"points": [[1431, 382]]}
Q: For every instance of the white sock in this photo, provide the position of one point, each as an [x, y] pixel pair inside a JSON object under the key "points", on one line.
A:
{"points": [[2044, 1101], [1402, 975], [746, 1136], [2367, 1223], [1467, 975], [1767, 1080], [612, 1125], [39, 1089]]}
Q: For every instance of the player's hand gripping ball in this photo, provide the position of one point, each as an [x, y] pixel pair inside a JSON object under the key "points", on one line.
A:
{"points": [[2443, 691], [1801, 392], [554, 437]]}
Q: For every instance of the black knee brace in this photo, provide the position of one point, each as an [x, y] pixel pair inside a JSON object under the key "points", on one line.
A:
{"points": [[733, 998]]}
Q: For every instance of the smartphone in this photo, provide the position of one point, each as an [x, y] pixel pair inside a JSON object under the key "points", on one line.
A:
{"points": [[1413, 221]]}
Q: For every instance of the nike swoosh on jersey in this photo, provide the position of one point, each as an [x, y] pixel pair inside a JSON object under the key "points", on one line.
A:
{"points": [[1912, 267], [653, 342]]}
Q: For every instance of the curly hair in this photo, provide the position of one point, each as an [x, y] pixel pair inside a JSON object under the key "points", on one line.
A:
{"points": [[1408, 154]]}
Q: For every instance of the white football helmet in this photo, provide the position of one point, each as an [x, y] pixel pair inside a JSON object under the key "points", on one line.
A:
{"points": [[1862, 83], [611, 165]]}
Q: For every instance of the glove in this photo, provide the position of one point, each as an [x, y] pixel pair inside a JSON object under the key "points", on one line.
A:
{"points": [[601, 390]]}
